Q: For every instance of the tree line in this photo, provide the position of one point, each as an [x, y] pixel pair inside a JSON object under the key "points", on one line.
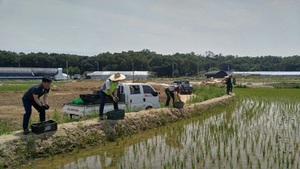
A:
{"points": [[178, 64]]}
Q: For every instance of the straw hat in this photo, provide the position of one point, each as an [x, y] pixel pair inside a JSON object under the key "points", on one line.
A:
{"points": [[117, 76]]}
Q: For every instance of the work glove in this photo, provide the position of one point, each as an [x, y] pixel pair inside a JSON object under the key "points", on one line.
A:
{"points": [[45, 106], [115, 98]]}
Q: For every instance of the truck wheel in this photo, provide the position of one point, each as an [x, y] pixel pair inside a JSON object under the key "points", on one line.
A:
{"points": [[149, 107]]}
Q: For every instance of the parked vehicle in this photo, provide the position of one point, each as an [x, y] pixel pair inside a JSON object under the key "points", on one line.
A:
{"points": [[132, 97], [76, 76], [187, 88]]}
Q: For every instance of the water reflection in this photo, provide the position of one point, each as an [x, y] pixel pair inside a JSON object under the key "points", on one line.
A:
{"points": [[93, 162]]}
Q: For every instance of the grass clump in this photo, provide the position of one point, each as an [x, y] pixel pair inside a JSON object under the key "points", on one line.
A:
{"points": [[5, 88], [5, 127], [207, 92], [20, 85], [287, 85]]}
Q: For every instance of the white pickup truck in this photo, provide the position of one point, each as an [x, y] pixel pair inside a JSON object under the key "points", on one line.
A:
{"points": [[132, 97]]}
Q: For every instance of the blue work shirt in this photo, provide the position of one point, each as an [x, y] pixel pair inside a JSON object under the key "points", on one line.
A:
{"points": [[35, 90]]}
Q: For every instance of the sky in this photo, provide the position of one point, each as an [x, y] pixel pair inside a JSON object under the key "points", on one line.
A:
{"points": [[91, 27]]}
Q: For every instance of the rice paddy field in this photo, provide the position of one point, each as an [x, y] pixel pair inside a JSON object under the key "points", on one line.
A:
{"points": [[260, 129]]}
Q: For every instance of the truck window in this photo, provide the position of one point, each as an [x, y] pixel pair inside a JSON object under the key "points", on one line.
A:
{"points": [[148, 89], [135, 89], [177, 82]]}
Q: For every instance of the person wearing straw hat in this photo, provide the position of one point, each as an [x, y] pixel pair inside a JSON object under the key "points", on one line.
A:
{"points": [[110, 89]]}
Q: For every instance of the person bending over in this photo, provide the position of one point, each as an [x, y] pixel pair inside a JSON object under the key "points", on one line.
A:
{"points": [[32, 97], [110, 89], [170, 93]]}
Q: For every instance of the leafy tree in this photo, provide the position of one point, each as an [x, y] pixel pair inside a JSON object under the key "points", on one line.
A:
{"points": [[73, 70], [175, 65]]}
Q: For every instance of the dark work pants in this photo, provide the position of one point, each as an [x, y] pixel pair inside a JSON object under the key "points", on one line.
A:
{"points": [[102, 102], [169, 96], [28, 109], [229, 88]]}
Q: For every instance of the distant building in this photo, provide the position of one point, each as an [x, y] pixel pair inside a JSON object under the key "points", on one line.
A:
{"points": [[268, 73], [31, 73], [216, 74], [130, 75]]}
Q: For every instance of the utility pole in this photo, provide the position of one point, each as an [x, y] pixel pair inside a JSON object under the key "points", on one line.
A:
{"points": [[97, 65], [173, 70], [67, 69], [132, 72], [198, 69]]}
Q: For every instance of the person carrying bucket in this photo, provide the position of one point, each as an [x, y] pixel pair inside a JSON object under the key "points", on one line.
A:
{"points": [[110, 89], [170, 93]]}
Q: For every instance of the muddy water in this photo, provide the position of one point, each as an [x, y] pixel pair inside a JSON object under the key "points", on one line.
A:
{"points": [[251, 133]]}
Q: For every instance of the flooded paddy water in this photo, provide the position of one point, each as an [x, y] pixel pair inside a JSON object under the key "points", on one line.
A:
{"points": [[259, 130]]}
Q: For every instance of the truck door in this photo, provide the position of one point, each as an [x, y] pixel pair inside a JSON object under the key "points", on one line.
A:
{"points": [[121, 94], [150, 96], [135, 99]]}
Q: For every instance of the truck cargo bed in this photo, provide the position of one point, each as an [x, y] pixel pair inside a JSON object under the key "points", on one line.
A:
{"points": [[83, 110]]}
